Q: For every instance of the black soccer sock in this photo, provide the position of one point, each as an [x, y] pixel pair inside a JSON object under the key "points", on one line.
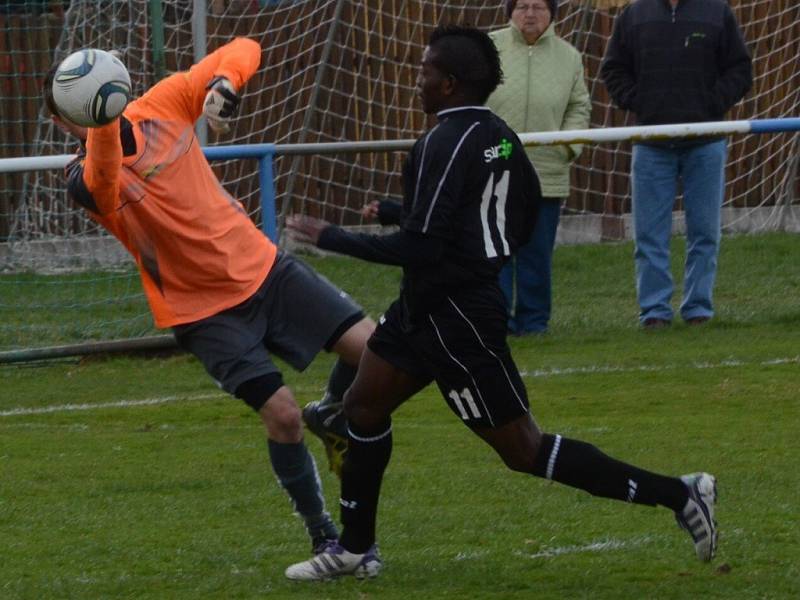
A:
{"points": [[367, 456], [584, 466], [297, 473], [339, 380]]}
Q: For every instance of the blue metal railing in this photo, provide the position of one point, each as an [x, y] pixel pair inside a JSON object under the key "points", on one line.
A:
{"points": [[264, 153]]}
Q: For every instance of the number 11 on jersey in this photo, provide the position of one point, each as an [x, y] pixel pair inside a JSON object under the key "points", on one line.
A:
{"points": [[494, 194]]}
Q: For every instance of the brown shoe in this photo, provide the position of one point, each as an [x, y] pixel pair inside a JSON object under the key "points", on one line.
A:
{"points": [[654, 323]]}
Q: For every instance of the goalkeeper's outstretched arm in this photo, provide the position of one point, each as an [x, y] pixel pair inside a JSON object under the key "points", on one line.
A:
{"points": [[220, 75]]}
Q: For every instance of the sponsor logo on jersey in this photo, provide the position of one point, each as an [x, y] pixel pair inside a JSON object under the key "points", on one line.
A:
{"points": [[501, 151]]}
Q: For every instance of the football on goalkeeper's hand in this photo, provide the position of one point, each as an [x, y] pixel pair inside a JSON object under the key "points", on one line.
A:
{"points": [[91, 87]]}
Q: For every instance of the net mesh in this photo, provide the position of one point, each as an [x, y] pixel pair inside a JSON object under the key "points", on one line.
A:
{"points": [[336, 70]]}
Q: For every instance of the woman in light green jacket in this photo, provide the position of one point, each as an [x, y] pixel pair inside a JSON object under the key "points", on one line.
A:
{"points": [[544, 90]]}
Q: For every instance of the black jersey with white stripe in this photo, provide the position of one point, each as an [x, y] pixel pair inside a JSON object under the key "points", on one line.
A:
{"points": [[470, 199], [469, 183]]}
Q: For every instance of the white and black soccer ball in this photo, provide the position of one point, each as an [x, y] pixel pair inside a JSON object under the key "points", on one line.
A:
{"points": [[91, 87]]}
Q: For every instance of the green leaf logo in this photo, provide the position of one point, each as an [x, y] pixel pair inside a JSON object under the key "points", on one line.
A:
{"points": [[505, 148]]}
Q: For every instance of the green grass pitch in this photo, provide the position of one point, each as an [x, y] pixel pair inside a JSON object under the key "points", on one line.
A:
{"points": [[134, 477]]}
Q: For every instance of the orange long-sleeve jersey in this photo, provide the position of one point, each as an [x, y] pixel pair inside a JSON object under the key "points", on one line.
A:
{"points": [[145, 179]]}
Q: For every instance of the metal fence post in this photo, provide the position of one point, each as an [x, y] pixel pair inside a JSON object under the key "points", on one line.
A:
{"points": [[267, 185]]}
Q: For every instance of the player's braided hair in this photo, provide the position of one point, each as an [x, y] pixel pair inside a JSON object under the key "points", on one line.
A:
{"points": [[470, 56]]}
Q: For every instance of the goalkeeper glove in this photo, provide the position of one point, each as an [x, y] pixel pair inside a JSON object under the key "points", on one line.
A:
{"points": [[220, 104]]}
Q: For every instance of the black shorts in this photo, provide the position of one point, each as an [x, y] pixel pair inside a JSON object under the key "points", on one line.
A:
{"points": [[294, 314], [462, 346]]}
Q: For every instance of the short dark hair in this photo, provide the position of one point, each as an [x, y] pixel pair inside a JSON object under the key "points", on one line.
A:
{"points": [[470, 56], [47, 92], [551, 4]]}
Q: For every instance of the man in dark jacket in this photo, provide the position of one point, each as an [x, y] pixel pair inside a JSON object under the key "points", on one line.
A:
{"points": [[677, 61]]}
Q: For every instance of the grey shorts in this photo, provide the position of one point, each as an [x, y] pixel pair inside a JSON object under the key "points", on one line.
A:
{"points": [[294, 314]]}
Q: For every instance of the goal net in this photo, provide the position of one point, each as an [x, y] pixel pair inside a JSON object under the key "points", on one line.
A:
{"points": [[332, 70]]}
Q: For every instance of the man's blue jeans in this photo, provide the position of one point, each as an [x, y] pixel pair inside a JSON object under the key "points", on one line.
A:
{"points": [[655, 173], [531, 268]]}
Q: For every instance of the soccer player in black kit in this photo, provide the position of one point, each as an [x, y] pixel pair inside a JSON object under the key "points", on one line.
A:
{"points": [[470, 198]]}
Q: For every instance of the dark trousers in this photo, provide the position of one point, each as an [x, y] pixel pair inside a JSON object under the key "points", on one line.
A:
{"points": [[529, 271]]}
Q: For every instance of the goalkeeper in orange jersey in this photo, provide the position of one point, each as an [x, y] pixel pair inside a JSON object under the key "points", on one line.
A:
{"points": [[231, 297]]}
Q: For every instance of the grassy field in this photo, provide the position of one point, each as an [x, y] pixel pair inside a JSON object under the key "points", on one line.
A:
{"points": [[134, 477], [38, 311]]}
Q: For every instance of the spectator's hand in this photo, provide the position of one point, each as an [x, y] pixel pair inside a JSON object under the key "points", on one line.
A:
{"points": [[305, 229], [220, 104], [370, 211]]}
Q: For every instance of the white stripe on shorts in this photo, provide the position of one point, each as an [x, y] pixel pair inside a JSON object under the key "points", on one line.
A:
{"points": [[455, 360], [475, 331]]}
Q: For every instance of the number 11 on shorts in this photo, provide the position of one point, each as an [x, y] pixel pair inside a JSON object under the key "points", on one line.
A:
{"points": [[465, 397]]}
